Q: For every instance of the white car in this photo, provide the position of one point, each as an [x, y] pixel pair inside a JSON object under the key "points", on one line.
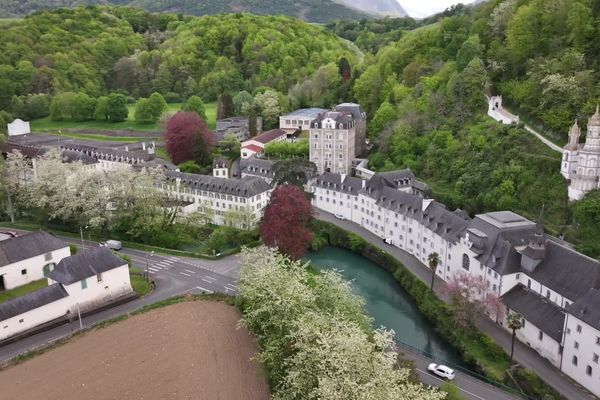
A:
{"points": [[441, 370], [112, 244], [339, 216]]}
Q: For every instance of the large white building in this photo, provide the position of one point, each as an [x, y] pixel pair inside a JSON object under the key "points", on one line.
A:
{"points": [[581, 161], [542, 278], [223, 201], [29, 257], [332, 142], [299, 119]]}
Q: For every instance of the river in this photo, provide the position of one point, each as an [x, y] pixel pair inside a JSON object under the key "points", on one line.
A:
{"points": [[387, 303]]}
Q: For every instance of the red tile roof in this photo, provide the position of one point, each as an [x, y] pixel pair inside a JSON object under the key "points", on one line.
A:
{"points": [[269, 135], [253, 148]]}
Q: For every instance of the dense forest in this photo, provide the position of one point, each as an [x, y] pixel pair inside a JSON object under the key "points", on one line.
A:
{"points": [[425, 97], [309, 10], [96, 50]]}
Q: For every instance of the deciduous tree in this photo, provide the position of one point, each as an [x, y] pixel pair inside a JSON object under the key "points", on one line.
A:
{"points": [[285, 221], [195, 104], [188, 138]]}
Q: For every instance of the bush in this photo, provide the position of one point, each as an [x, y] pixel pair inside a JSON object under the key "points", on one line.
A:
{"points": [[226, 238], [73, 248]]}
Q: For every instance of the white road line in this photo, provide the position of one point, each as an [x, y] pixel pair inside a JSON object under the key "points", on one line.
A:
{"points": [[443, 381], [152, 272], [164, 264], [183, 273], [153, 269], [206, 290], [191, 272], [205, 280], [210, 278], [232, 285]]}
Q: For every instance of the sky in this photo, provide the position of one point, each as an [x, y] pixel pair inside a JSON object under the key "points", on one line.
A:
{"points": [[424, 8]]}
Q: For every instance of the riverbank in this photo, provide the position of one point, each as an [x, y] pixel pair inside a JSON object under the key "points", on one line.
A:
{"points": [[477, 350]]}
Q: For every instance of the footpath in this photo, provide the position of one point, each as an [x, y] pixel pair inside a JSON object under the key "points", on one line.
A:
{"points": [[523, 354]]}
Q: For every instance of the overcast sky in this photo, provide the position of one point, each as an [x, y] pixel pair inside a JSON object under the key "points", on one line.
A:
{"points": [[424, 8]]}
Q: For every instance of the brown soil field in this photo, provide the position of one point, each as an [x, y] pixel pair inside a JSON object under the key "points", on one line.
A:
{"points": [[190, 350]]}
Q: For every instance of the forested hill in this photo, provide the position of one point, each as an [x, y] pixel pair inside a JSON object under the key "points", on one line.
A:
{"points": [[309, 10], [424, 95], [96, 50]]}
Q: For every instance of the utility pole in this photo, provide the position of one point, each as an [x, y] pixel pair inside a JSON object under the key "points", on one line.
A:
{"points": [[81, 233], [79, 315]]}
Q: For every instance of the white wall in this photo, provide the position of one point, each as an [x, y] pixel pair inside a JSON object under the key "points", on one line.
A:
{"points": [[115, 283], [18, 127], [589, 348], [546, 347], [294, 122], [34, 268], [33, 318]]}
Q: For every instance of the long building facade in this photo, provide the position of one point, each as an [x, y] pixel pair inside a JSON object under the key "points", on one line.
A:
{"points": [[531, 273]]}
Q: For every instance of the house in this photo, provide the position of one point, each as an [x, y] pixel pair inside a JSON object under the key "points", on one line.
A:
{"points": [[33, 309], [29, 257], [221, 167], [92, 278], [255, 146], [108, 158], [332, 142], [360, 125], [300, 119], [237, 126], [18, 127], [554, 288]]}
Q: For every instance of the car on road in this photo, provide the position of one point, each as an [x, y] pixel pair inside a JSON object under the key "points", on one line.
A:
{"points": [[339, 216], [388, 241], [441, 371], [112, 244]]}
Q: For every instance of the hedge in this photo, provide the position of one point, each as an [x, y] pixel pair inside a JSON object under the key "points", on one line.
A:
{"points": [[477, 350]]}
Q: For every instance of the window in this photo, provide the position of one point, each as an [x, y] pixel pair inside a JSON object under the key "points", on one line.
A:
{"points": [[529, 283], [518, 275], [574, 360], [588, 370], [597, 339], [48, 256], [47, 268], [576, 345], [595, 358], [541, 335], [466, 262], [21, 320], [24, 272], [99, 277], [84, 284], [547, 294], [578, 328]]}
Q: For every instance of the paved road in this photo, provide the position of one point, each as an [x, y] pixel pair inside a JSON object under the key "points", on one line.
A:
{"points": [[523, 353]]}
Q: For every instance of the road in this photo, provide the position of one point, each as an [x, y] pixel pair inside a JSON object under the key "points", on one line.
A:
{"points": [[179, 275], [524, 355]]}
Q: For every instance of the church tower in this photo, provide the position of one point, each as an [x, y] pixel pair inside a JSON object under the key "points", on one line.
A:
{"points": [[587, 176], [570, 155]]}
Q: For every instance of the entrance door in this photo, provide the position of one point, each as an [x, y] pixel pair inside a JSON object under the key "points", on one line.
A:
{"points": [[2, 288]]}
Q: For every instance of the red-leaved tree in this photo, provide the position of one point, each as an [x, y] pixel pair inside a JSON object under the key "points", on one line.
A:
{"points": [[188, 138], [285, 221]]}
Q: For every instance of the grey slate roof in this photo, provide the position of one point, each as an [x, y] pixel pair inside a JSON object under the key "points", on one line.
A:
{"points": [[84, 265], [587, 308], [258, 167], [31, 301], [338, 116], [536, 309], [351, 108], [333, 181], [27, 246], [246, 187], [108, 153], [310, 113]]}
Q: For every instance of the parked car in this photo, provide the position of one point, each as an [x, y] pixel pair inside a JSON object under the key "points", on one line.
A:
{"points": [[112, 244], [441, 370], [388, 241], [339, 216]]}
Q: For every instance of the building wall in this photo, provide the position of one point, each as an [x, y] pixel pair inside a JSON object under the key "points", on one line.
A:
{"points": [[533, 337], [33, 318], [295, 122], [332, 150], [113, 284], [586, 371], [33, 267]]}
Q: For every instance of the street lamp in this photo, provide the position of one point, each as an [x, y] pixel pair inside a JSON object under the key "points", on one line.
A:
{"points": [[147, 270], [81, 233]]}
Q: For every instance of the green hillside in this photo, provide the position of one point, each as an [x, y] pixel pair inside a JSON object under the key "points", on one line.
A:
{"points": [[309, 10]]}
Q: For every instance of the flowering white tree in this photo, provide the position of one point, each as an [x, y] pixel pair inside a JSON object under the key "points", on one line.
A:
{"points": [[316, 341]]}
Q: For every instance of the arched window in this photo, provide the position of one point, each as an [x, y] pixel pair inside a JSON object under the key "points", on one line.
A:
{"points": [[466, 262]]}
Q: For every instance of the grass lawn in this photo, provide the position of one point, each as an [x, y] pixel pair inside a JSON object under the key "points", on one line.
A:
{"points": [[22, 290], [139, 284], [161, 152], [48, 126]]}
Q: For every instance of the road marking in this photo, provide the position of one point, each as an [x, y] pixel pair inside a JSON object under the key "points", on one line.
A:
{"points": [[232, 285], [153, 269], [191, 272], [164, 264], [206, 290], [183, 273], [205, 280], [173, 259], [443, 381], [152, 272], [210, 278]]}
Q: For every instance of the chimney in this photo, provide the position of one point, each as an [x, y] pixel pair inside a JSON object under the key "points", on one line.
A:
{"points": [[144, 146], [126, 148]]}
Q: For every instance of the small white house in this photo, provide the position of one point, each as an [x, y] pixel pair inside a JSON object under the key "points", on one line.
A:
{"points": [[92, 278], [33, 309], [256, 145], [18, 127], [28, 258]]}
